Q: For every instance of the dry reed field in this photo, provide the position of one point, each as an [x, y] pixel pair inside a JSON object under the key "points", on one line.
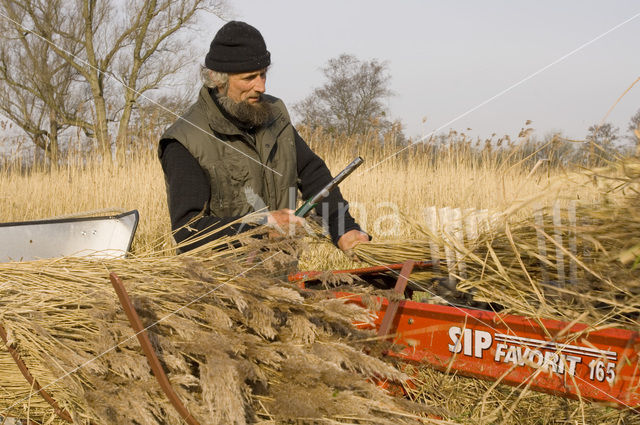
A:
{"points": [[283, 334], [403, 184]]}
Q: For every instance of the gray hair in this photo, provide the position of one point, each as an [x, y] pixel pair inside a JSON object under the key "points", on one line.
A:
{"points": [[214, 79]]}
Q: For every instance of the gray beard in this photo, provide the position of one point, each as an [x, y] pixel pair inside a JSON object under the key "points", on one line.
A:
{"points": [[251, 115]]}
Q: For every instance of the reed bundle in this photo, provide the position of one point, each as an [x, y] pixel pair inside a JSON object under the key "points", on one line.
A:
{"points": [[239, 344], [589, 269]]}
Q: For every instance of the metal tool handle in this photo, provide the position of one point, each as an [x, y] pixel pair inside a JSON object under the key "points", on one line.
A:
{"points": [[312, 202]]}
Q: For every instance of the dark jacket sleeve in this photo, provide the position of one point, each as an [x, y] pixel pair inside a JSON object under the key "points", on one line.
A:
{"points": [[313, 175], [188, 195]]}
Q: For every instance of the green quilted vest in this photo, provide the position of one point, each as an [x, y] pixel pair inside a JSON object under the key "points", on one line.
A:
{"points": [[246, 172]]}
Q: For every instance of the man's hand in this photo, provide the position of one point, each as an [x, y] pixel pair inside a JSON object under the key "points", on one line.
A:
{"points": [[351, 239], [280, 220]]}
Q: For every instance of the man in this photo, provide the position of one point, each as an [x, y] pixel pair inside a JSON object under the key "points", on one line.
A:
{"points": [[235, 151]]}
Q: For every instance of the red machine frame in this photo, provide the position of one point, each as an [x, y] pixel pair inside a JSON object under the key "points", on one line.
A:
{"points": [[566, 359]]}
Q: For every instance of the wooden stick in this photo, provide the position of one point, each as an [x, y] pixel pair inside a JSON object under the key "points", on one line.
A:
{"points": [[145, 343], [63, 414]]}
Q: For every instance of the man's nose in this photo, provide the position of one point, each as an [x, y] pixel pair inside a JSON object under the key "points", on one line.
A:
{"points": [[259, 84]]}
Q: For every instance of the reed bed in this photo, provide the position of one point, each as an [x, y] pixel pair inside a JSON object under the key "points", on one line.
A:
{"points": [[450, 171]]}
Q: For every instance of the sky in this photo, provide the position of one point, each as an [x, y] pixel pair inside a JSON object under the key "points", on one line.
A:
{"points": [[446, 58]]}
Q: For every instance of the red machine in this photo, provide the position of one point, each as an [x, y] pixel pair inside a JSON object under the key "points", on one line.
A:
{"points": [[560, 358]]}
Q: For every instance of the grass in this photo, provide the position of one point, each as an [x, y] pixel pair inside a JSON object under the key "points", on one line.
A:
{"points": [[453, 174]]}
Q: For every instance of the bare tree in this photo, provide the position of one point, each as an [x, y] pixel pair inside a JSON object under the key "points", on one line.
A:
{"points": [[351, 99], [37, 84], [116, 50], [634, 122], [600, 145]]}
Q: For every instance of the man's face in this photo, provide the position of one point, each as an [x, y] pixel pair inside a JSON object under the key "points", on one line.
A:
{"points": [[247, 86]]}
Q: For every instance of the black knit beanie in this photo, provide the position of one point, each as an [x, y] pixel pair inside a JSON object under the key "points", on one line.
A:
{"points": [[237, 47]]}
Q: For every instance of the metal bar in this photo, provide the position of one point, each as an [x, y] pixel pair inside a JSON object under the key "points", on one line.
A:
{"points": [[550, 356], [62, 414], [148, 350], [401, 284], [312, 202]]}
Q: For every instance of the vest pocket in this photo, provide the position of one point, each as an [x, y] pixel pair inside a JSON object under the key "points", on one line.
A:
{"points": [[230, 177]]}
